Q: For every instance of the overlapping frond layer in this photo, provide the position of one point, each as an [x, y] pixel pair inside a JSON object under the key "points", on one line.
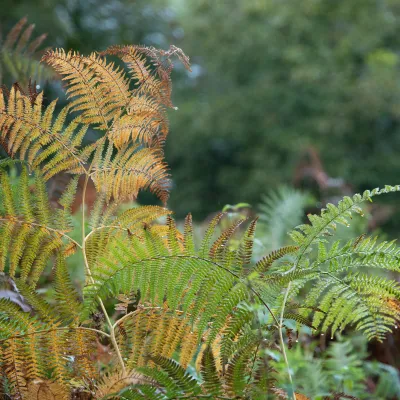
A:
{"points": [[156, 331], [108, 227], [244, 376], [166, 270], [346, 296], [29, 232], [365, 252], [145, 119], [44, 352], [121, 174], [370, 304], [97, 89], [156, 85], [145, 122], [115, 382], [51, 146]]}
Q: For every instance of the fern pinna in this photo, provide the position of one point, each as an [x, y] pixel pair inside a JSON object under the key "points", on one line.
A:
{"points": [[180, 320]]}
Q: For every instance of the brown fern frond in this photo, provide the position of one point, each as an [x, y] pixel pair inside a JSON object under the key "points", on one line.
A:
{"points": [[45, 389], [130, 170], [19, 39], [29, 131]]}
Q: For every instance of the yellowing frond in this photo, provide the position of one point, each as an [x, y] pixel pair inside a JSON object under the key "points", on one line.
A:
{"points": [[122, 175], [30, 132], [97, 89]]}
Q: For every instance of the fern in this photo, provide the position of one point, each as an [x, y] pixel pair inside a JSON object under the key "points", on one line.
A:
{"points": [[187, 320], [18, 55], [31, 133]]}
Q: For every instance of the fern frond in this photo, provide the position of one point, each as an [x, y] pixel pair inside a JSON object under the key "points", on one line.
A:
{"points": [[31, 133], [47, 352], [19, 51], [279, 211], [156, 331], [14, 363], [245, 250], [91, 84], [114, 383], [266, 262], [29, 236], [306, 236], [366, 252], [122, 175], [158, 86], [209, 373], [184, 380], [368, 303], [145, 122], [68, 304]]}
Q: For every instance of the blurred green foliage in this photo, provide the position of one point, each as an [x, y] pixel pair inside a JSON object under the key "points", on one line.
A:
{"points": [[276, 76]]}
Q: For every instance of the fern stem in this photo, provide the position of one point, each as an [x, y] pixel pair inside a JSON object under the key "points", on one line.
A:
{"points": [[89, 272], [280, 326]]}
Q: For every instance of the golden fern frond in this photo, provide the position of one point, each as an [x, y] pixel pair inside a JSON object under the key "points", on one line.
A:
{"points": [[145, 119], [97, 89], [29, 237], [13, 364], [135, 57], [145, 122], [44, 144], [122, 175]]}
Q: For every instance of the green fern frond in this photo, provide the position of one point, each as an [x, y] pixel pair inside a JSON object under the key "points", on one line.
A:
{"points": [[355, 254], [209, 373], [279, 211], [68, 304], [184, 380], [265, 263], [305, 236]]}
